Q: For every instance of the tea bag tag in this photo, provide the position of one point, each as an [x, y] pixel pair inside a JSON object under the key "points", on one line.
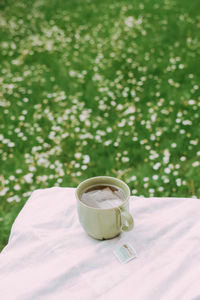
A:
{"points": [[125, 253]]}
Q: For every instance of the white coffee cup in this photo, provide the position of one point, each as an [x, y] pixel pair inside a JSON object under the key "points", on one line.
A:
{"points": [[108, 222]]}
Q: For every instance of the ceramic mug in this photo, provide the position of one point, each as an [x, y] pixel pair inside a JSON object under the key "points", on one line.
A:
{"points": [[104, 223]]}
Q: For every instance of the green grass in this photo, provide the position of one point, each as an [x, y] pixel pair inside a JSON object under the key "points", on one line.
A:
{"points": [[93, 88]]}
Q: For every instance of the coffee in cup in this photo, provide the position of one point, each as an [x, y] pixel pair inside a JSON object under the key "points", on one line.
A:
{"points": [[103, 196]]}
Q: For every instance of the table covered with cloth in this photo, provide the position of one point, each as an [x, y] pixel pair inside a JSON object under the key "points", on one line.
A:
{"points": [[49, 256]]}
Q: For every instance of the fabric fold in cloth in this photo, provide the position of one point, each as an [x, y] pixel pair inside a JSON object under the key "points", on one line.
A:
{"points": [[49, 256]]}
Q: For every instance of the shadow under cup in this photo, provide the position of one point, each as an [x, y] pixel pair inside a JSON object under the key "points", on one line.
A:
{"points": [[104, 223]]}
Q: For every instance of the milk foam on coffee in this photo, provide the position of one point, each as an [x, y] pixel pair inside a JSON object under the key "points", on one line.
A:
{"points": [[103, 197]]}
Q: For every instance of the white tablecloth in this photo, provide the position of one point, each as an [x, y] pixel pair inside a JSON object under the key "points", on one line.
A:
{"points": [[50, 257]]}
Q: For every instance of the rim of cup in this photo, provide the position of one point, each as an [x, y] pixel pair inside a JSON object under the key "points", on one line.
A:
{"points": [[84, 183]]}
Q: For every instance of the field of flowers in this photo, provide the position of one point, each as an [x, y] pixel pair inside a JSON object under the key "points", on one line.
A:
{"points": [[93, 88]]}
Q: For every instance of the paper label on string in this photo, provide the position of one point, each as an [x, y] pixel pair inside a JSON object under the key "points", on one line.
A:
{"points": [[125, 253]]}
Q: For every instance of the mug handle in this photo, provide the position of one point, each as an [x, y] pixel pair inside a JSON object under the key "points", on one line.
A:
{"points": [[126, 217]]}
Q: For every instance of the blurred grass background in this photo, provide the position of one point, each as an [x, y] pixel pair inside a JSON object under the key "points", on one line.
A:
{"points": [[93, 88]]}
